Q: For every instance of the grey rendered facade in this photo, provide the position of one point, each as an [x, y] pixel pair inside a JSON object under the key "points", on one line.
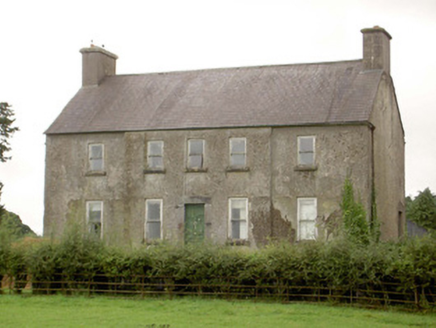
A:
{"points": [[242, 154]]}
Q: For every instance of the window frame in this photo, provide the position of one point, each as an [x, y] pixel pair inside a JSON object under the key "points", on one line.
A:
{"points": [[300, 200], [300, 152], [88, 223], [150, 156], [91, 159], [148, 201], [231, 220], [231, 153], [190, 167]]}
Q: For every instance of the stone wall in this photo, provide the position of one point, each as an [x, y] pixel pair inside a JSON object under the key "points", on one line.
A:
{"points": [[272, 180]]}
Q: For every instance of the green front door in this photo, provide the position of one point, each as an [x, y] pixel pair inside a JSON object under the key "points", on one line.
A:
{"points": [[194, 223]]}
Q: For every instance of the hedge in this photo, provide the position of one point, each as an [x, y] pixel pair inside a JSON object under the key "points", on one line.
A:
{"points": [[408, 266]]}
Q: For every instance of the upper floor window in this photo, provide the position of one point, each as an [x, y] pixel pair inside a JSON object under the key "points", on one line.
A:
{"points": [[155, 154], [307, 212], [96, 157], [94, 217], [238, 217], [238, 152], [195, 153], [306, 151], [153, 219]]}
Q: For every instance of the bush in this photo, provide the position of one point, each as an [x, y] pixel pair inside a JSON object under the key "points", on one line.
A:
{"points": [[354, 216], [4, 254], [336, 270]]}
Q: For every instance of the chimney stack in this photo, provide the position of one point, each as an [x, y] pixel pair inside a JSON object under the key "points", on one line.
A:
{"points": [[97, 63], [376, 49]]}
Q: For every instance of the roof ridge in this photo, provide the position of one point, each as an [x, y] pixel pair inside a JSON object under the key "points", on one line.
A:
{"points": [[238, 68]]}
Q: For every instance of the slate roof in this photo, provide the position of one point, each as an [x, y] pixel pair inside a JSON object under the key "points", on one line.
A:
{"points": [[285, 95]]}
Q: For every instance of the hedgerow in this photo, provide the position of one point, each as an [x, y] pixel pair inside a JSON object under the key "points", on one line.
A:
{"points": [[80, 263]]}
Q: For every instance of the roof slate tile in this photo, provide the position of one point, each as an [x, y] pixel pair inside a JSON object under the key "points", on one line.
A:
{"points": [[284, 95]]}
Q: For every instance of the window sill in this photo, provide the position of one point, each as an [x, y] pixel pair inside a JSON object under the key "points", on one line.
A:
{"points": [[238, 242], [95, 173], [154, 171], [196, 170], [306, 241], [306, 168], [237, 169], [153, 242]]}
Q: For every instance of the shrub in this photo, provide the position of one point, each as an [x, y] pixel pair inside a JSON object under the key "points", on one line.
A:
{"points": [[354, 216], [78, 263]]}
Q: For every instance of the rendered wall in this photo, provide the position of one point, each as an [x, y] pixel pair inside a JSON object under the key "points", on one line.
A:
{"points": [[389, 161], [271, 182], [341, 151]]}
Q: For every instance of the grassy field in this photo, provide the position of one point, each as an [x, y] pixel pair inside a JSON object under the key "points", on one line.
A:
{"points": [[61, 311]]}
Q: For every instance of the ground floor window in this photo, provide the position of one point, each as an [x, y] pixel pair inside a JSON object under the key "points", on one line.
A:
{"points": [[94, 217], [238, 216], [307, 213], [153, 219]]}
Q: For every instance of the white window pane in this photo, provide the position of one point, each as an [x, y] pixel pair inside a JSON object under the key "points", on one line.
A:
{"points": [[306, 150], [196, 161], [195, 147], [155, 154], [237, 160], [155, 162], [237, 145], [239, 229], [307, 210], [236, 230], [94, 212], [306, 158], [307, 230], [155, 148], [96, 157], [94, 206], [237, 152], [153, 211], [238, 218], [153, 230], [94, 217], [307, 213], [236, 214], [243, 233], [153, 219], [97, 164], [239, 203], [96, 151], [306, 144], [239, 213]]}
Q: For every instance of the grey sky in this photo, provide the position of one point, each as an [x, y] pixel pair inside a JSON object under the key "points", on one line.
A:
{"points": [[40, 63]]}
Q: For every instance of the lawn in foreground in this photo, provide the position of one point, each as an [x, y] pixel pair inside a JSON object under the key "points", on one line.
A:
{"points": [[62, 311]]}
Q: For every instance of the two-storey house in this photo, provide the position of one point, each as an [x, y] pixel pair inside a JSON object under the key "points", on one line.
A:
{"points": [[236, 154]]}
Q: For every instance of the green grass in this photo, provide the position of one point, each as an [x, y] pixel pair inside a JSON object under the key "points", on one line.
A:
{"points": [[62, 311]]}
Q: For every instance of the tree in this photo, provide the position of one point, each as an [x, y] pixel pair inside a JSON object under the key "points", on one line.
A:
{"points": [[422, 210], [16, 229], [6, 129]]}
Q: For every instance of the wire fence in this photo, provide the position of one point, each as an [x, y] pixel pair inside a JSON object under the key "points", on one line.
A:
{"points": [[279, 289]]}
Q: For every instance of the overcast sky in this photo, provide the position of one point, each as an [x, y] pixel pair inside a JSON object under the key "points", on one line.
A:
{"points": [[40, 63]]}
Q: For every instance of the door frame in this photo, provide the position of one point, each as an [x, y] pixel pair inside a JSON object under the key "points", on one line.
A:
{"points": [[186, 205]]}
